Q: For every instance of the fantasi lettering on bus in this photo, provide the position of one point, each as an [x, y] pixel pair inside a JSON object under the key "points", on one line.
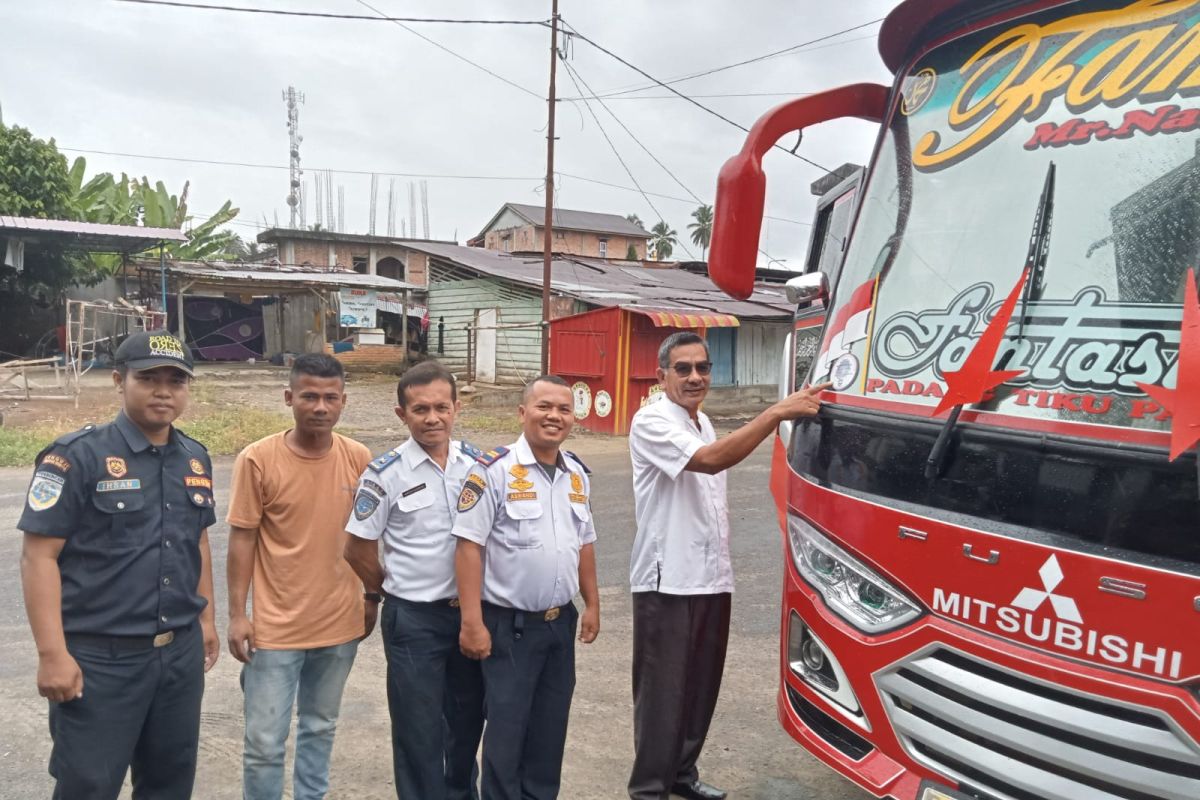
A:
{"points": [[1145, 52]]}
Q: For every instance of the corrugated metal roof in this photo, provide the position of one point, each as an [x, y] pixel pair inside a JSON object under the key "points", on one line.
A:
{"points": [[618, 283], [568, 219], [89, 235], [216, 272]]}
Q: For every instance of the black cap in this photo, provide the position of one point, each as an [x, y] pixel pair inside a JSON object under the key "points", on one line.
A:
{"points": [[150, 349]]}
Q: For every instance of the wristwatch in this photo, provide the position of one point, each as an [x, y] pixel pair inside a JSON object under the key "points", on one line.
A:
{"points": [[374, 597]]}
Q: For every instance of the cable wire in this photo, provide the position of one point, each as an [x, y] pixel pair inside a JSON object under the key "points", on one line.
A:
{"points": [[330, 15], [462, 58], [613, 147], [756, 59], [674, 91]]}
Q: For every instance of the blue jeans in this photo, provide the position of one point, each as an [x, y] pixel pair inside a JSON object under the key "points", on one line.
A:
{"points": [[273, 682]]}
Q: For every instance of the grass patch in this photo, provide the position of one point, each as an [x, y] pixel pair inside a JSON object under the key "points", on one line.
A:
{"points": [[226, 431], [20, 446]]}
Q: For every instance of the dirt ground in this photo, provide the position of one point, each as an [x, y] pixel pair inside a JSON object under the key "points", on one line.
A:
{"points": [[747, 753]]}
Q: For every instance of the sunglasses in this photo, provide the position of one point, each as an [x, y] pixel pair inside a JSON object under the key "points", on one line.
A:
{"points": [[684, 369]]}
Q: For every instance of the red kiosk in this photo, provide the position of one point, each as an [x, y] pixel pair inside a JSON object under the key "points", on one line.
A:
{"points": [[610, 356]]}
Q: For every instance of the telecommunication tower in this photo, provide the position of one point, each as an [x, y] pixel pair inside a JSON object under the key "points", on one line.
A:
{"points": [[293, 100]]}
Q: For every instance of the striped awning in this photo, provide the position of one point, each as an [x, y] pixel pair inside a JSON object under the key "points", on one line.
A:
{"points": [[685, 318]]}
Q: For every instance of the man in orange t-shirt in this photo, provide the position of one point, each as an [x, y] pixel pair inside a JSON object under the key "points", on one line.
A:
{"points": [[292, 493]]}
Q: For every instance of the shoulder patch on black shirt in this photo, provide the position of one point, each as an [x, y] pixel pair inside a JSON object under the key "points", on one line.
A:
{"points": [[385, 460], [578, 461], [492, 456]]}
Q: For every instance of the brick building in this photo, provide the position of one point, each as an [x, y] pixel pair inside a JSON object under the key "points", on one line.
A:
{"points": [[519, 228], [368, 255]]}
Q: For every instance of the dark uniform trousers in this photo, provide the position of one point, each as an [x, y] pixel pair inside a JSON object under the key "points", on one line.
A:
{"points": [[140, 707], [528, 681], [679, 644], [432, 688]]}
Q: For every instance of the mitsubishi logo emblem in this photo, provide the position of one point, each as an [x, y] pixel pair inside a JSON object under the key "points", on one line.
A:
{"points": [[1032, 599]]}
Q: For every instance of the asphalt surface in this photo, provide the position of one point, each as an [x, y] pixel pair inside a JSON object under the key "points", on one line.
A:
{"points": [[747, 752]]}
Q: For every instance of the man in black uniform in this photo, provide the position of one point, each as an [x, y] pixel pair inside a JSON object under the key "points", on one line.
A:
{"points": [[118, 585]]}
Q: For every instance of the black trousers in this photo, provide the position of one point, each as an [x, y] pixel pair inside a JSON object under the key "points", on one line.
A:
{"points": [[140, 709], [435, 699], [679, 644], [528, 683]]}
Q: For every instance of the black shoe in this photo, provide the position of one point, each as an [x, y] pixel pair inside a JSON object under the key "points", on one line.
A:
{"points": [[697, 790]]}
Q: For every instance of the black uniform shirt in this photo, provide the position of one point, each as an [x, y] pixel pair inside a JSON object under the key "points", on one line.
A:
{"points": [[131, 514]]}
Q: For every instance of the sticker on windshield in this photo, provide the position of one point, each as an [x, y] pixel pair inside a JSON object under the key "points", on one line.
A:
{"points": [[844, 372], [1095, 61]]}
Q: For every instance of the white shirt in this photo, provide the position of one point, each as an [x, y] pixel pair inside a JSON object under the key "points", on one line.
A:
{"points": [[406, 499], [682, 541], [531, 528]]}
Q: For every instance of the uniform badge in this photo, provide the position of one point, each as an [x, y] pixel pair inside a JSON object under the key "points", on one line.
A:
{"points": [[197, 466], [365, 504], [198, 499], [519, 483], [472, 490], [116, 466], [413, 490], [522, 496], [58, 462], [196, 482], [44, 491], [577, 496]]}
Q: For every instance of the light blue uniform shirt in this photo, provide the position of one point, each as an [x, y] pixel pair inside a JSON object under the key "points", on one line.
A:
{"points": [[531, 527]]}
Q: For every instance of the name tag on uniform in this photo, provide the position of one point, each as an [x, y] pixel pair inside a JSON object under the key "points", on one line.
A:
{"points": [[119, 486], [413, 490], [193, 481], [522, 495]]}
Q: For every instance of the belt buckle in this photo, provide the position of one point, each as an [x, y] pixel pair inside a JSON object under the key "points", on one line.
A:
{"points": [[453, 602], [551, 615], [164, 639]]}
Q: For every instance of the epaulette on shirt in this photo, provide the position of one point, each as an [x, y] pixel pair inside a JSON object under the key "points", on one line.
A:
{"points": [[491, 456], [188, 441], [470, 450], [579, 461], [385, 460], [65, 440]]}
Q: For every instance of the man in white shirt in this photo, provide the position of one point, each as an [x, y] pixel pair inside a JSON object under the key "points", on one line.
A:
{"points": [[525, 547], [681, 573], [407, 498]]}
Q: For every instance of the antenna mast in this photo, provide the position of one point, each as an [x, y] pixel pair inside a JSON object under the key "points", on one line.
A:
{"points": [[293, 100]]}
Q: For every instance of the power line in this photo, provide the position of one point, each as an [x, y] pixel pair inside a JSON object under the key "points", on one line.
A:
{"points": [[251, 165], [460, 57], [330, 15], [575, 74], [675, 97], [613, 147], [674, 91], [756, 59]]}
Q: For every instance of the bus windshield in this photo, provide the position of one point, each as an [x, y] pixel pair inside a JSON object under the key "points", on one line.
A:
{"points": [[1063, 143]]}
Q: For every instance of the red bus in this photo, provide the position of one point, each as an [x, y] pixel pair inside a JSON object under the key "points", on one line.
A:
{"points": [[992, 529]]}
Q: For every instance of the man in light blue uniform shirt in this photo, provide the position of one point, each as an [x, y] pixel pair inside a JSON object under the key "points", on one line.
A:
{"points": [[525, 548], [406, 498]]}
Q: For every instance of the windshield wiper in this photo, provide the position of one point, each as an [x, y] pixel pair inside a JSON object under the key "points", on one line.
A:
{"points": [[975, 378]]}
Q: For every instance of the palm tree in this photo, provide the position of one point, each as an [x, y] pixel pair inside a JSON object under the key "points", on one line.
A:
{"points": [[663, 240], [636, 220], [702, 228]]}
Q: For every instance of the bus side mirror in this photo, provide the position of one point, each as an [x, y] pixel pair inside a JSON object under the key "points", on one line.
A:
{"points": [[807, 288], [742, 184]]}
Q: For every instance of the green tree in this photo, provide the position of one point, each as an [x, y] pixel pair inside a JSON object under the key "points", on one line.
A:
{"points": [[636, 220], [663, 239], [702, 228], [33, 176], [631, 253]]}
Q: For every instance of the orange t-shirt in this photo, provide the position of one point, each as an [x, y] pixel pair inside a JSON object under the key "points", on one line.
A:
{"points": [[305, 594]]}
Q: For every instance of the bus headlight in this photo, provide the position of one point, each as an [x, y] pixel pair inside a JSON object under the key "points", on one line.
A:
{"points": [[853, 590]]}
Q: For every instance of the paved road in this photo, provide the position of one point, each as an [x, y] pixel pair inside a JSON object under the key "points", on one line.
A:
{"points": [[747, 752]]}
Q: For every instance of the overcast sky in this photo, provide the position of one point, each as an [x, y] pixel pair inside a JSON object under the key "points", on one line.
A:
{"points": [[102, 75]]}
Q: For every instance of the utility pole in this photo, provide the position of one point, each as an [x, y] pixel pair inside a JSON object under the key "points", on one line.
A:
{"points": [[548, 241]]}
